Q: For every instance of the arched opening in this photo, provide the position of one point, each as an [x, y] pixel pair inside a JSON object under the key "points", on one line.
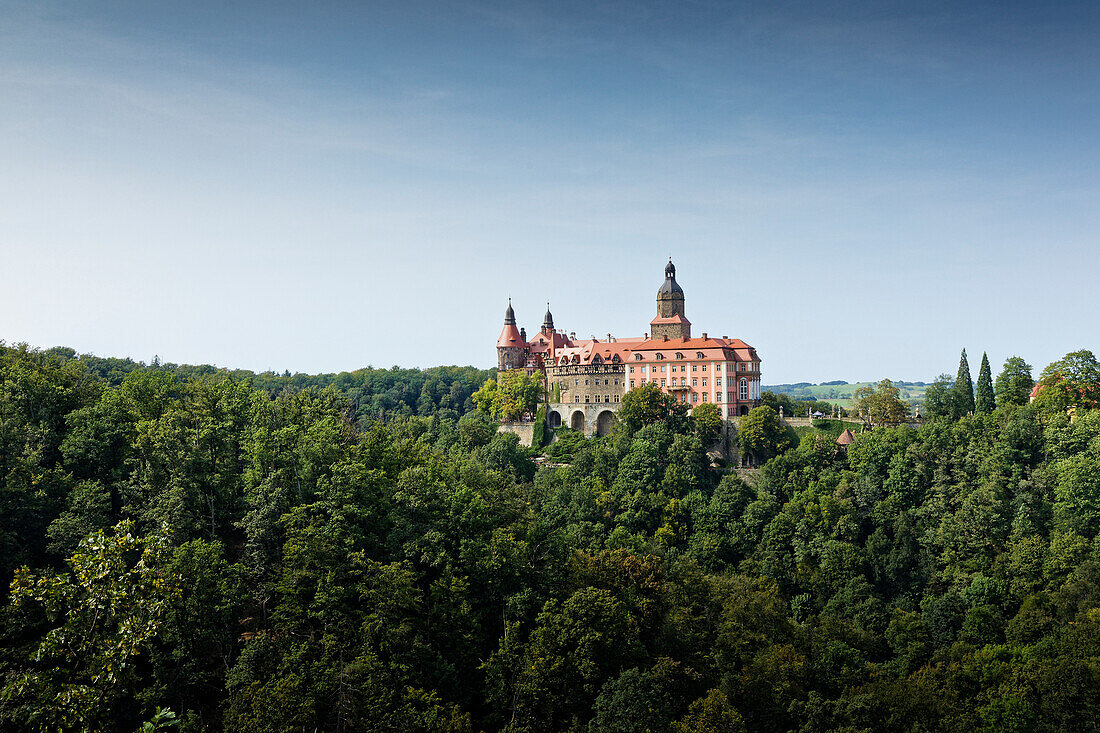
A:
{"points": [[555, 419], [605, 422], [744, 410], [577, 421]]}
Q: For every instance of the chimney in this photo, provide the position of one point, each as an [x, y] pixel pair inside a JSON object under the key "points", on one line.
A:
{"points": [[665, 337], [704, 335], [725, 338], [608, 337], [573, 335]]}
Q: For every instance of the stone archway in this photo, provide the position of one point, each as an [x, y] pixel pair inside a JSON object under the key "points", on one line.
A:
{"points": [[744, 410], [604, 422], [555, 419], [577, 421]]}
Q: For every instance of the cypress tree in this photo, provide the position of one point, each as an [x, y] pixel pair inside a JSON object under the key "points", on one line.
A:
{"points": [[964, 389], [983, 392]]}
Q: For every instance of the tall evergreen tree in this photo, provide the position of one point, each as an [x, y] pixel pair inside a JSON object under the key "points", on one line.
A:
{"points": [[983, 393], [964, 388]]}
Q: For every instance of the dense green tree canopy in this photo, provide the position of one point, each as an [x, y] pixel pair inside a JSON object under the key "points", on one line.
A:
{"points": [[760, 435], [193, 549]]}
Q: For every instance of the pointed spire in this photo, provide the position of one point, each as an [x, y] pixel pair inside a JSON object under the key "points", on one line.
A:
{"points": [[548, 320], [509, 315]]}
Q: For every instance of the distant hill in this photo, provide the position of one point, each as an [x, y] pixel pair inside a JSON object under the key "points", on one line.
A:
{"points": [[841, 392]]}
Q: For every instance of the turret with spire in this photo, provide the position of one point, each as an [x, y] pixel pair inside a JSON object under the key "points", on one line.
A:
{"points": [[670, 322], [511, 345], [548, 321]]}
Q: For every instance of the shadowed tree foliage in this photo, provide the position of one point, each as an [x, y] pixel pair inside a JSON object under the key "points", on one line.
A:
{"points": [[186, 550]]}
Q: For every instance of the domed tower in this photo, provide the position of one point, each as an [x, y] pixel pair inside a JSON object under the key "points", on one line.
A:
{"points": [[670, 322], [511, 345], [548, 322]]}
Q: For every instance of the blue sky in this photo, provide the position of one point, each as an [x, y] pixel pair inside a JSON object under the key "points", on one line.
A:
{"points": [[858, 190]]}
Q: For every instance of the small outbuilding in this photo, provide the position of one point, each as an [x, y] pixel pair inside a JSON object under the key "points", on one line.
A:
{"points": [[846, 439]]}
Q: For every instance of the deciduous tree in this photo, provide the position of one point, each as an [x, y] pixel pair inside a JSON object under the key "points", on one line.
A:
{"points": [[1014, 383]]}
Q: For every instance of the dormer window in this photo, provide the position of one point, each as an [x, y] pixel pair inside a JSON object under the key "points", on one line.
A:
{"points": [[679, 355], [638, 357], [699, 355], [660, 356]]}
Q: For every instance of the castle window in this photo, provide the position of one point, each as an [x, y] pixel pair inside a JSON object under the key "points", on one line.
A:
{"points": [[704, 367], [694, 367], [744, 388], [694, 397], [699, 355], [586, 382], [597, 398], [632, 384], [638, 357], [704, 381], [662, 383], [631, 370], [679, 355], [718, 397], [586, 398], [704, 397], [616, 398], [662, 367], [660, 356], [607, 398]]}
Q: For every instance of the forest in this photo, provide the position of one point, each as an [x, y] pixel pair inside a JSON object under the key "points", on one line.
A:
{"points": [[206, 550]]}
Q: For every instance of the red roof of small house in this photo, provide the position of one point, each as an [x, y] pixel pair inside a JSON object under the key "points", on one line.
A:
{"points": [[846, 438]]}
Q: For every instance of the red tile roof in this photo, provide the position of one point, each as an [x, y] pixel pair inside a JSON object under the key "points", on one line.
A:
{"points": [[510, 337]]}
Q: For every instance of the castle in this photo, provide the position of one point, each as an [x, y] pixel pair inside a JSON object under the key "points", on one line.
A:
{"points": [[586, 378]]}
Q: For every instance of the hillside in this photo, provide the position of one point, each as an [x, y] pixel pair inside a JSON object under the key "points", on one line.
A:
{"points": [[841, 392]]}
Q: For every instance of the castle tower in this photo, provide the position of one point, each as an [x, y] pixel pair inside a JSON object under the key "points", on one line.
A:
{"points": [[670, 322], [511, 345], [548, 322]]}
